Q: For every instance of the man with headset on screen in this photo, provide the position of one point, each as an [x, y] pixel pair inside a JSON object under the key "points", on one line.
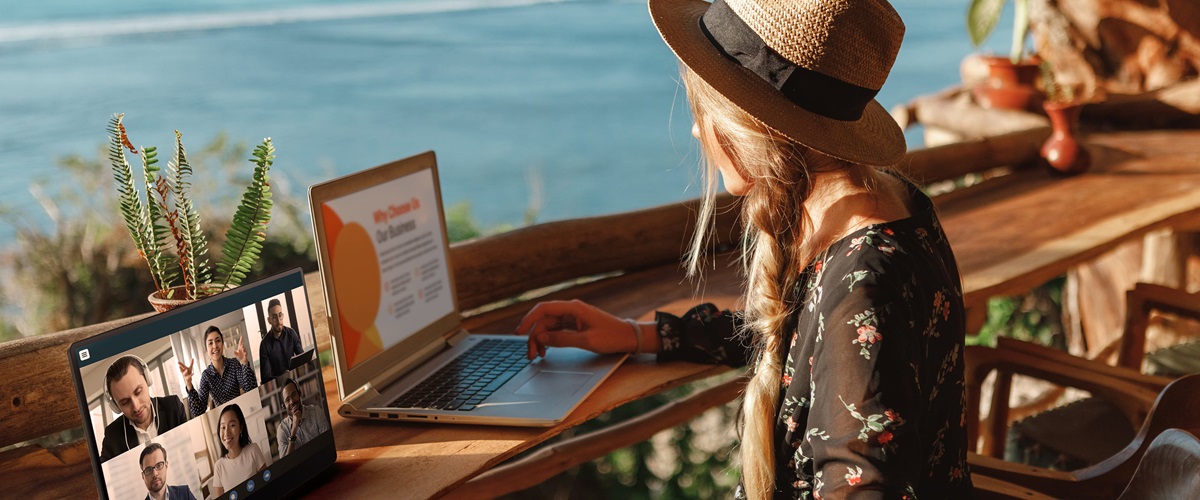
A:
{"points": [[143, 417]]}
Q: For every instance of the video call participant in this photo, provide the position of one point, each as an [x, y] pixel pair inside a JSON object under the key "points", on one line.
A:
{"points": [[301, 423], [142, 417], [240, 459], [278, 345], [225, 378], [154, 472]]}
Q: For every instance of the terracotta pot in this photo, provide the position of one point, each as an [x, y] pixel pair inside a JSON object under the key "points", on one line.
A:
{"points": [[1009, 86], [162, 304], [1062, 150]]}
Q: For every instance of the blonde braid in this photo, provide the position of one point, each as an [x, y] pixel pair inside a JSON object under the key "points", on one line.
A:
{"points": [[773, 257]]}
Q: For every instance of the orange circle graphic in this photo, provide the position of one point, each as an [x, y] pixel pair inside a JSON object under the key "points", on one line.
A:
{"points": [[356, 271]]}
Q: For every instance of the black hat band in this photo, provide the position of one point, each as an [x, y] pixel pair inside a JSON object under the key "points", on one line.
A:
{"points": [[819, 93]]}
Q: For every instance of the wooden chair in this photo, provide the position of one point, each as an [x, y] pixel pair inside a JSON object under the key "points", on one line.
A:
{"points": [[1105, 412], [1177, 406], [1131, 392], [1139, 303], [1169, 470]]}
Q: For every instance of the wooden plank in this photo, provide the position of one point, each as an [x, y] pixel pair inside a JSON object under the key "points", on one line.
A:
{"points": [[951, 161], [508, 264], [37, 396], [64, 471], [1033, 226]]}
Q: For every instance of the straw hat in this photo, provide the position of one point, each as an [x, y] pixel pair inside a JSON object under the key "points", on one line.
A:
{"points": [[808, 69]]}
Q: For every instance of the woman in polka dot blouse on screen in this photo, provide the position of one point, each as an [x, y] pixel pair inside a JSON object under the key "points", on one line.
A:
{"points": [[224, 378]]}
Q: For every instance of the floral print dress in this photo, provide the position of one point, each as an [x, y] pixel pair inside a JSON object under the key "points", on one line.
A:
{"points": [[872, 401]]}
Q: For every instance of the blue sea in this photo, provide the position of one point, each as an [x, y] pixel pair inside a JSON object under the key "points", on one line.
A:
{"points": [[573, 104]]}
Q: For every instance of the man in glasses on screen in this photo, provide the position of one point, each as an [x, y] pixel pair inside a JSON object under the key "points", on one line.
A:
{"points": [[154, 473], [278, 345]]}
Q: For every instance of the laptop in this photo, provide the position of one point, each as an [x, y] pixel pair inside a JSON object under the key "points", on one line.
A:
{"points": [[400, 351], [131, 376]]}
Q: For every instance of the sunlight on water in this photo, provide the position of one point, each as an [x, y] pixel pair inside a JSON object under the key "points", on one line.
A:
{"points": [[195, 22], [579, 94]]}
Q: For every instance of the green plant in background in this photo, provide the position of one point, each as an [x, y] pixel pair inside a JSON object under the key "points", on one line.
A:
{"points": [[1032, 317], [982, 16], [71, 262], [151, 221]]}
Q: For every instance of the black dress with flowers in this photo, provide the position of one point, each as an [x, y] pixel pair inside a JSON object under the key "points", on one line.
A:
{"points": [[872, 401]]}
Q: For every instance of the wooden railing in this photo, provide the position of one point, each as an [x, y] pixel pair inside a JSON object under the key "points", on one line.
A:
{"points": [[37, 395]]}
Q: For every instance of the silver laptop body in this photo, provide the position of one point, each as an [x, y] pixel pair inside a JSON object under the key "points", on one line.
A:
{"points": [[394, 320]]}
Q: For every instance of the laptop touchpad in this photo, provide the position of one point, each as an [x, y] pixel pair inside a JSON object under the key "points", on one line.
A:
{"points": [[549, 382]]}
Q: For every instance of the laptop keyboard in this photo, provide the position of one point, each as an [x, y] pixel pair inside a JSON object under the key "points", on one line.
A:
{"points": [[470, 378]]}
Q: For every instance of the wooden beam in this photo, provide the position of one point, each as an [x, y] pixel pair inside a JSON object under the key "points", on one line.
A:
{"points": [[951, 161], [955, 110], [505, 265], [37, 395]]}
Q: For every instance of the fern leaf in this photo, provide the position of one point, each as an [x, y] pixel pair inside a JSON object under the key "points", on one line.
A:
{"points": [[133, 211], [243, 240], [163, 190], [157, 213], [194, 251]]}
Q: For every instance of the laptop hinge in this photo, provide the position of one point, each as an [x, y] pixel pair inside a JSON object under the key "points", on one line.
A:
{"points": [[361, 398], [457, 337], [402, 367]]}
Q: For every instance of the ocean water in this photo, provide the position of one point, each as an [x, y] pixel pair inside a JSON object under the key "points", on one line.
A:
{"points": [[580, 95]]}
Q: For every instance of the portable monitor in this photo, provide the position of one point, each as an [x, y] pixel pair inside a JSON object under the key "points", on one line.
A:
{"points": [[221, 398]]}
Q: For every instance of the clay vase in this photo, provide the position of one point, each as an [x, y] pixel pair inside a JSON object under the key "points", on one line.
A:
{"points": [[1062, 150], [1009, 86]]}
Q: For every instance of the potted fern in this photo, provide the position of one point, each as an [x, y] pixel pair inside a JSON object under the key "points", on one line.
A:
{"points": [[165, 225]]}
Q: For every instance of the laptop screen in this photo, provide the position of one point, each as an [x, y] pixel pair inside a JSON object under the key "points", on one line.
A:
{"points": [[387, 257], [221, 398]]}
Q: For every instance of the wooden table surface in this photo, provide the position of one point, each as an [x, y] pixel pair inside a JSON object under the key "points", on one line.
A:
{"points": [[1016, 232], [1009, 235], [417, 460]]}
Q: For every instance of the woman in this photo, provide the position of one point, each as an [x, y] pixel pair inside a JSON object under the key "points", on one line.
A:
{"points": [[240, 459], [853, 319], [224, 378]]}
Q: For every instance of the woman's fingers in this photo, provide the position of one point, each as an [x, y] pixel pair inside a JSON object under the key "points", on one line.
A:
{"points": [[540, 341], [556, 315], [571, 324]]}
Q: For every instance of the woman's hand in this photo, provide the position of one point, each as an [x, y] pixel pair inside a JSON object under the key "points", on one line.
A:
{"points": [[575, 324], [186, 372], [240, 353]]}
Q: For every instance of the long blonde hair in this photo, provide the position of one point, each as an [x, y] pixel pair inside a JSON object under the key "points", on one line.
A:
{"points": [[774, 253]]}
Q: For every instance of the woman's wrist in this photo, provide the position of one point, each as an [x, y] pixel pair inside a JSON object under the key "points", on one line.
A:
{"points": [[637, 335], [645, 336]]}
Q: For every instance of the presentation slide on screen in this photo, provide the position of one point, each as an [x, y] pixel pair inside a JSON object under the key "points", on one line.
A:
{"points": [[387, 260]]}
